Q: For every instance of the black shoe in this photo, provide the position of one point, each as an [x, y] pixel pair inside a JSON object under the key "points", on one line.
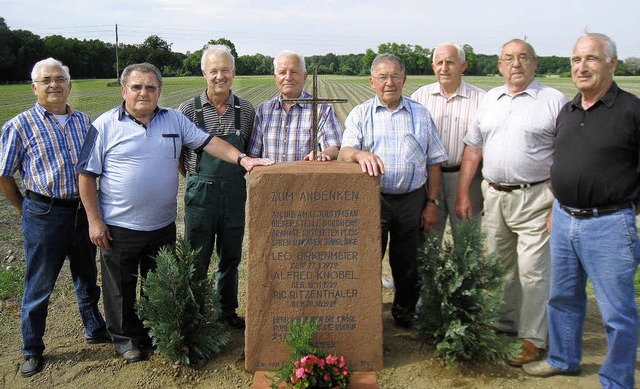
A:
{"points": [[404, 321], [234, 321], [402, 317], [133, 355], [32, 365], [101, 336]]}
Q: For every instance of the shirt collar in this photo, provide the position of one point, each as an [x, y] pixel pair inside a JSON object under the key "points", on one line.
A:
{"points": [[122, 112], [378, 104], [205, 99], [608, 99], [303, 95], [460, 91], [43, 111], [532, 90]]}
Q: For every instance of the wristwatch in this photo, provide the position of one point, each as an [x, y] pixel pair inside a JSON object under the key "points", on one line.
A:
{"points": [[433, 201], [240, 156]]}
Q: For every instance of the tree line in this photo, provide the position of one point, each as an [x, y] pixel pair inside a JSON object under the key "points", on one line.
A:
{"points": [[20, 49]]}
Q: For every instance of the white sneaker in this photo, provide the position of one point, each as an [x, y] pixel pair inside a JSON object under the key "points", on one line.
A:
{"points": [[387, 283]]}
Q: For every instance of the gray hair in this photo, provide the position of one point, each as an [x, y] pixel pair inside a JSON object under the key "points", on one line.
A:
{"points": [[461, 54], [532, 52], [289, 53], [217, 50], [144, 67], [35, 72], [610, 49], [386, 57]]}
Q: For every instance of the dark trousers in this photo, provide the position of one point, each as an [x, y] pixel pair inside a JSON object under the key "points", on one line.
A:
{"points": [[130, 251], [400, 221]]}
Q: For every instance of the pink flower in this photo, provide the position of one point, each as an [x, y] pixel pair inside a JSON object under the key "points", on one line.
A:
{"points": [[331, 359], [300, 373], [326, 377], [321, 363]]}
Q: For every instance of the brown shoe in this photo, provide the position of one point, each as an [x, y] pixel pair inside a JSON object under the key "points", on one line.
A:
{"points": [[544, 369], [528, 354]]}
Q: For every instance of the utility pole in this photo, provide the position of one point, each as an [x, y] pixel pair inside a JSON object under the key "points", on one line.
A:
{"points": [[117, 61]]}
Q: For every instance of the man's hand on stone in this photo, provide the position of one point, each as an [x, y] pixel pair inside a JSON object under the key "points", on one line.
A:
{"points": [[249, 163]]}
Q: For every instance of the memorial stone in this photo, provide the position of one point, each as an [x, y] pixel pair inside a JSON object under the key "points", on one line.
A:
{"points": [[314, 254]]}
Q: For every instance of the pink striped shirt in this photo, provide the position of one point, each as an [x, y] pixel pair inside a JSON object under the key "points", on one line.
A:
{"points": [[453, 117]]}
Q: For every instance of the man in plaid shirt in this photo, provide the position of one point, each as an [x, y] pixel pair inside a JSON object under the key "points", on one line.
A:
{"points": [[283, 131]]}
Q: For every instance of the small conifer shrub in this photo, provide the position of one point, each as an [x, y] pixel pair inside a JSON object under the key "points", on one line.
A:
{"points": [[461, 294], [181, 309]]}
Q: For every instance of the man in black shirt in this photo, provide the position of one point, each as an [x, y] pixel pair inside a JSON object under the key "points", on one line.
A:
{"points": [[595, 178]]}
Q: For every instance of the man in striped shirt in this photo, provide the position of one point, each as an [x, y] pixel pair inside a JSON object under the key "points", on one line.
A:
{"points": [[43, 144], [283, 131], [216, 193], [452, 103]]}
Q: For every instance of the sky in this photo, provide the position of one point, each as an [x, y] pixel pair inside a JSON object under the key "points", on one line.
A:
{"points": [[318, 27]]}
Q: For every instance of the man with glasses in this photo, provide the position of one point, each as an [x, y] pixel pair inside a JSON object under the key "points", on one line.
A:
{"points": [[394, 136], [43, 144], [514, 136], [134, 150], [283, 131]]}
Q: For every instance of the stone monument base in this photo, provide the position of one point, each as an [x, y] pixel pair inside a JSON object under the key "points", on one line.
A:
{"points": [[359, 380], [314, 254]]}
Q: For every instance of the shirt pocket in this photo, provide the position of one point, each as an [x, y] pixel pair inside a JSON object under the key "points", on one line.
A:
{"points": [[170, 146], [411, 151]]}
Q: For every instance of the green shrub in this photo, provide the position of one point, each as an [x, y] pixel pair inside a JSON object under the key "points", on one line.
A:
{"points": [[461, 294], [181, 309]]}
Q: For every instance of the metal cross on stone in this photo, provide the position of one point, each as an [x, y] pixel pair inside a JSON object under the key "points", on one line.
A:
{"points": [[315, 100]]}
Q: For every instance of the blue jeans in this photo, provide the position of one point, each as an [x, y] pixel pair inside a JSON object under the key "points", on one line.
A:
{"points": [[52, 233], [605, 249]]}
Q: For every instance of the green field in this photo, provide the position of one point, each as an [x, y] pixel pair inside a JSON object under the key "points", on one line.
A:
{"points": [[94, 96]]}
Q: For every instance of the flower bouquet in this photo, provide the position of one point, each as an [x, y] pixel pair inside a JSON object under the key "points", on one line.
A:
{"points": [[309, 367], [313, 371]]}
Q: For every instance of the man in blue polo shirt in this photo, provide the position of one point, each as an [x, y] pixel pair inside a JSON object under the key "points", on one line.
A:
{"points": [[134, 149]]}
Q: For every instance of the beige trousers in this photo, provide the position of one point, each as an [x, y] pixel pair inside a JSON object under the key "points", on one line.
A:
{"points": [[515, 224]]}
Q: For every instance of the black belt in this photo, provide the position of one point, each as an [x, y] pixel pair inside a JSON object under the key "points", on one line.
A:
{"points": [[512, 187], [450, 169], [69, 203], [591, 212]]}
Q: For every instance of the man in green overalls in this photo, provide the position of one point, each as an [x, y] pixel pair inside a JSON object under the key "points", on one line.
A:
{"points": [[216, 191]]}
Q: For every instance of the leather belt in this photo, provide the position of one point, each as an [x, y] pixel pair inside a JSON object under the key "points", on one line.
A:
{"points": [[69, 203], [512, 187], [450, 169], [594, 212]]}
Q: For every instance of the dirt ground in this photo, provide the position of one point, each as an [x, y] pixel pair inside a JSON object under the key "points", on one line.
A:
{"points": [[71, 363]]}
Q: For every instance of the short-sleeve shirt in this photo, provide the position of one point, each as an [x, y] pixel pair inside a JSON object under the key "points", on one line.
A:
{"points": [[405, 139], [219, 125], [597, 162], [516, 133], [138, 165], [453, 116], [44, 150], [288, 136]]}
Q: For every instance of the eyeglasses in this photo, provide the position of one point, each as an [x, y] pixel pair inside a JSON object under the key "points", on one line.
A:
{"points": [[384, 77], [49, 80], [522, 58], [137, 88]]}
